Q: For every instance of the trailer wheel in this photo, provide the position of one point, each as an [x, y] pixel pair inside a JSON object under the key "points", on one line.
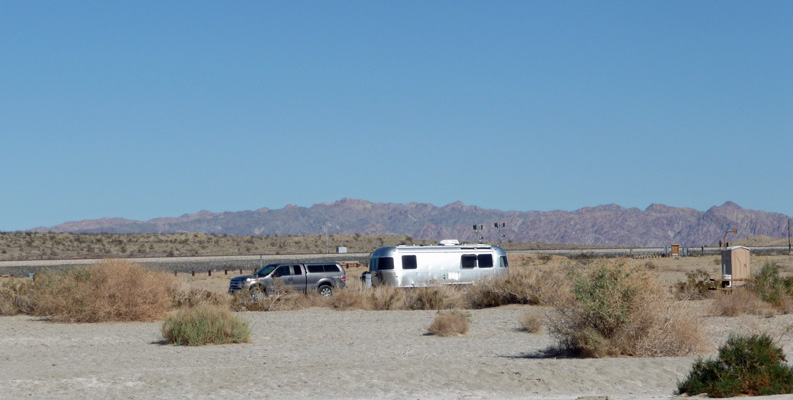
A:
{"points": [[325, 291]]}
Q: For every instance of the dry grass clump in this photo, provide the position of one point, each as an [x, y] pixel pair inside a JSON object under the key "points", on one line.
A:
{"points": [[113, 290], [15, 296], [282, 300], [205, 324], [531, 322], [527, 285], [741, 301], [612, 309], [187, 296], [384, 298], [348, 300], [450, 323], [434, 298]]}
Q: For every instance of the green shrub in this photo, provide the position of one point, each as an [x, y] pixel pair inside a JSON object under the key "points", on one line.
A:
{"points": [[769, 286], [749, 365], [205, 324], [606, 297], [612, 309]]}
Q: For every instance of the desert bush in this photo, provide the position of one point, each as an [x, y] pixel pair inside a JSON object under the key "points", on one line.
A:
{"points": [[386, 298], [613, 309], [740, 301], [110, 291], [246, 300], [748, 365], [433, 298], [531, 322], [190, 297], [769, 285], [205, 324], [15, 297], [697, 286], [520, 286], [349, 300], [450, 323]]}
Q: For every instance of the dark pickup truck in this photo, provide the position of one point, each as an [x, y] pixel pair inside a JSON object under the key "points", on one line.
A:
{"points": [[323, 277]]}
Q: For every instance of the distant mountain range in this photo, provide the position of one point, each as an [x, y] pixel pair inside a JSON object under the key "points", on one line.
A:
{"points": [[607, 225]]}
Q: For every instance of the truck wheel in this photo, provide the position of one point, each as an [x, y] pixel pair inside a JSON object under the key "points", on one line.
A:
{"points": [[325, 291]]}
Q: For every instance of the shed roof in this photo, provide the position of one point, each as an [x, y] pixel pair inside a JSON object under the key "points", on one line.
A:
{"points": [[738, 247]]}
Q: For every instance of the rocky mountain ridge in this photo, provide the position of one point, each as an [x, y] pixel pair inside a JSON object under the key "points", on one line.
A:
{"points": [[607, 225]]}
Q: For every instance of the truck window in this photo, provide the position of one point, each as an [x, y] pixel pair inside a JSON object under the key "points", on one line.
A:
{"points": [[315, 269], [331, 268], [485, 260], [468, 260], [284, 270], [298, 270], [409, 262], [385, 263], [266, 270]]}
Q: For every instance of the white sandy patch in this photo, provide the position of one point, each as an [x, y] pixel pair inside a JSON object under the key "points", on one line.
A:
{"points": [[330, 354]]}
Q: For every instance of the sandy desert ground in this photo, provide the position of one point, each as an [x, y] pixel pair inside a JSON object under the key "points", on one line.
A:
{"points": [[333, 354], [338, 354]]}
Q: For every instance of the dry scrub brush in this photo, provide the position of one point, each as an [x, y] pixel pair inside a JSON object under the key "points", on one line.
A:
{"points": [[612, 309], [280, 299], [697, 286], [524, 285], [740, 301], [110, 291], [531, 321], [450, 323], [16, 296]]}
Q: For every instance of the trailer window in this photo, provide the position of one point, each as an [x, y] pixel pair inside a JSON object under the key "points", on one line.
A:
{"points": [[504, 262], [469, 260], [385, 263], [409, 262], [485, 260]]}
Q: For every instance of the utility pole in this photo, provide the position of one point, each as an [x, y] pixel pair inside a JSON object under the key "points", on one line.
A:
{"points": [[788, 236], [499, 227], [478, 229]]}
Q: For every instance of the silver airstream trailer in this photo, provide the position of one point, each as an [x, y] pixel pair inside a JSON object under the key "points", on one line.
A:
{"points": [[447, 263]]}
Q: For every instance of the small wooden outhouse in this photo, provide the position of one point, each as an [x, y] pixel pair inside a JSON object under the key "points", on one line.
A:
{"points": [[675, 250], [735, 265]]}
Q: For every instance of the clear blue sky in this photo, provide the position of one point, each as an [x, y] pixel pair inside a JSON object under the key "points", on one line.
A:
{"points": [[144, 109]]}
